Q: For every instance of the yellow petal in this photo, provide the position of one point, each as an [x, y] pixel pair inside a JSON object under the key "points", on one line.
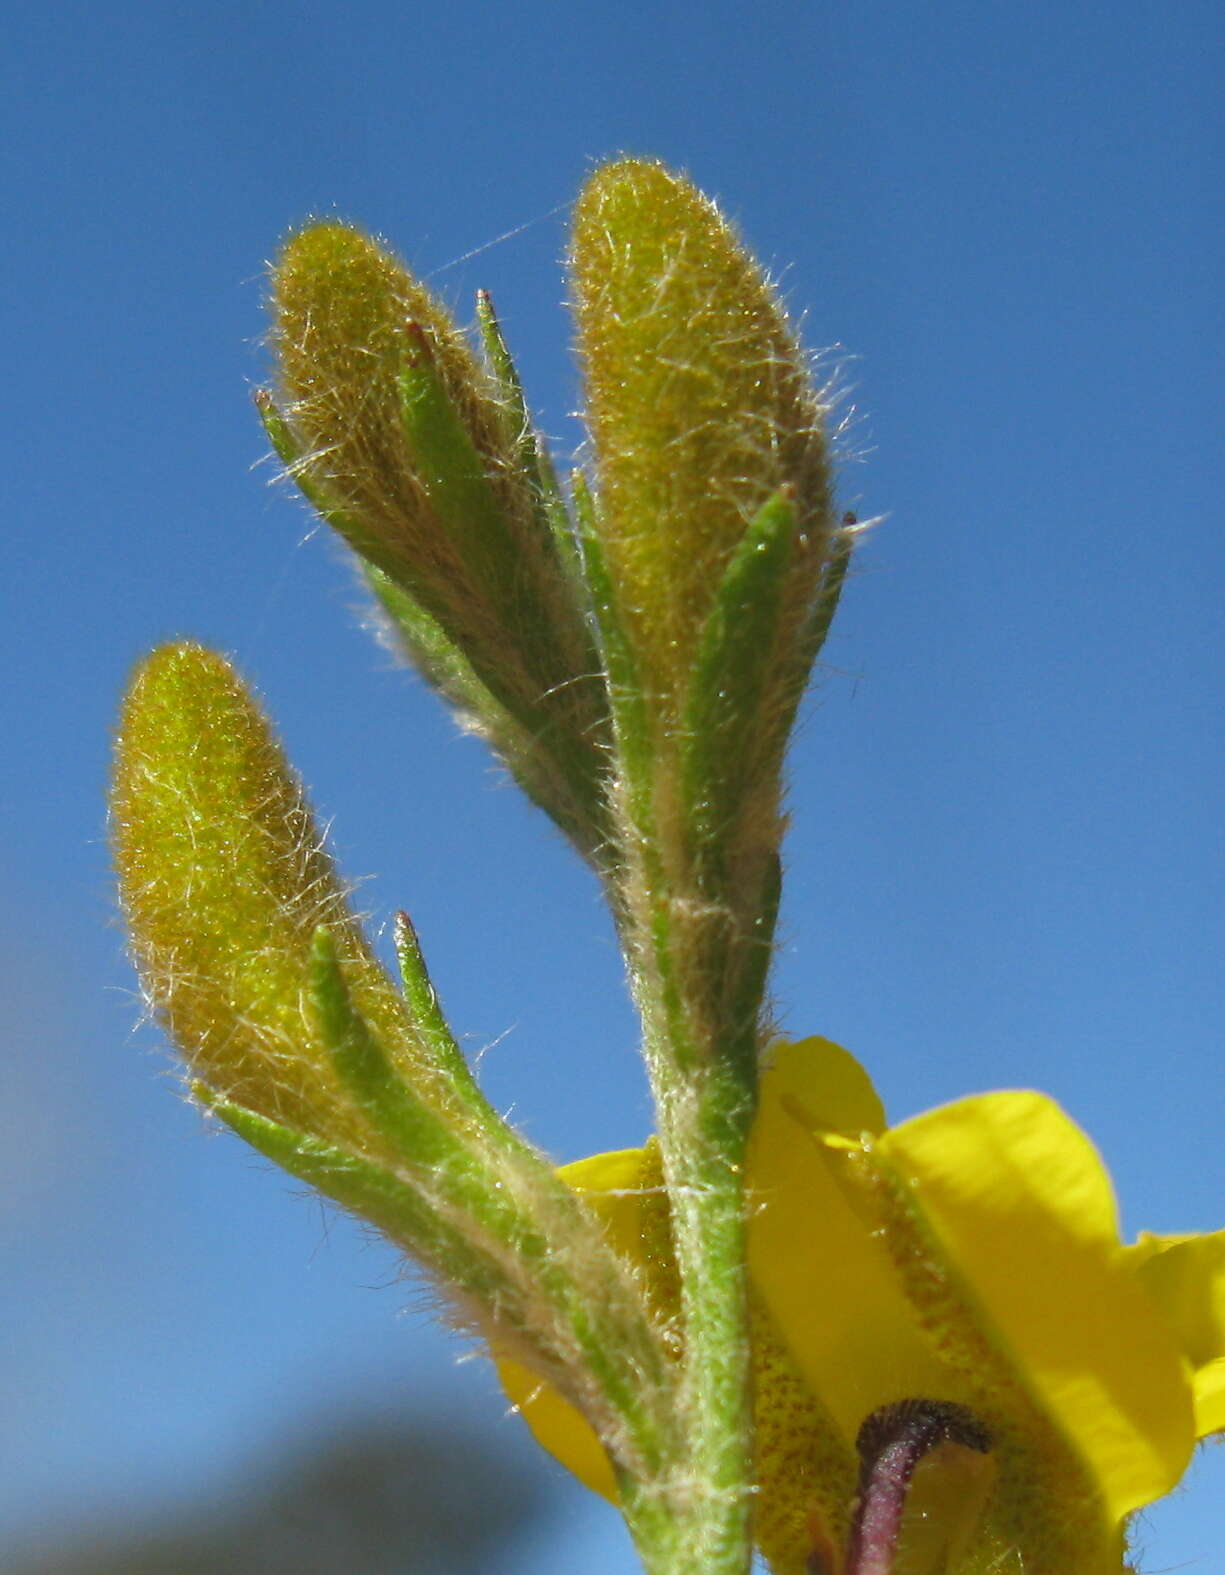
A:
{"points": [[559, 1428], [1185, 1276], [619, 1188], [827, 1283], [1020, 1203], [1048, 1512], [616, 1187], [806, 1469], [1209, 1384], [827, 1080]]}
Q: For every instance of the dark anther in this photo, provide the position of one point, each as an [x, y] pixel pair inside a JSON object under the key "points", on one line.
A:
{"points": [[927, 1422], [891, 1443]]}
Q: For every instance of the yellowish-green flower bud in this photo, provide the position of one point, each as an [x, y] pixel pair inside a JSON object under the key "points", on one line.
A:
{"points": [[224, 882], [425, 461], [700, 408], [298, 1040], [348, 317], [408, 438]]}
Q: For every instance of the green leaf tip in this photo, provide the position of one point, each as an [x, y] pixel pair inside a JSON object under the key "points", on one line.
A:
{"points": [[699, 403], [414, 1131], [727, 732]]}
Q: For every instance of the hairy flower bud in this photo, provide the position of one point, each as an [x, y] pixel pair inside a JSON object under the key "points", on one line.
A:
{"points": [[425, 461], [349, 320], [224, 882], [699, 405]]}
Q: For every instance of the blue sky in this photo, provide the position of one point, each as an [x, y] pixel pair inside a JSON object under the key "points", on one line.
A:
{"points": [[1005, 864]]}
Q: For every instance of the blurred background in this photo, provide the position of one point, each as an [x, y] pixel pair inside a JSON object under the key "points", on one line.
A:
{"points": [[1004, 224]]}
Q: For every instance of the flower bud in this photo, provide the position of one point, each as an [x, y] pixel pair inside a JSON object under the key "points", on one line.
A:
{"points": [[425, 462], [224, 881], [699, 406], [349, 319]]}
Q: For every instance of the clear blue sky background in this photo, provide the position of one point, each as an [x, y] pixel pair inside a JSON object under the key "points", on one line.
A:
{"points": [[1006, 861]]}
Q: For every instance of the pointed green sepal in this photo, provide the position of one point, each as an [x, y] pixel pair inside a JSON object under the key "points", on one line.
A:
{"points": [[400, 435], [564, 789], [455, 1144], [277, 430], [826, 605], [412, 1129], [797, 660], [456, 481], [417, 635], [821, 616], [631, 721], [421, 1002], [521, 432], [733, 691], [371, 546], [450, 469], [373, 1192]]}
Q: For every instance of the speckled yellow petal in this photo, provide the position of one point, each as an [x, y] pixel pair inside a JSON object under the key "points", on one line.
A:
{"points": [[1021, 1205], [1047, 1512], [828, 1285], [612, 1185], [1185, 1276], [806, 1469]]}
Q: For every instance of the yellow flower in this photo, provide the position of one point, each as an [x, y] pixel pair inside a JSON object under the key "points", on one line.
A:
{"points": [[950, 1293]]}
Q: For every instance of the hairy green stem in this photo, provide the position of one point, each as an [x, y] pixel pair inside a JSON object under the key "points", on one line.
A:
{"points": [[681, 950], [656, 1520], [703, 1129], [704, 1084]]}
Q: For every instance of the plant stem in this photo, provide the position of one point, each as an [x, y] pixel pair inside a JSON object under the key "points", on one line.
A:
{"points": [[707, 1189], [697, 1521], [704, 1095]]}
